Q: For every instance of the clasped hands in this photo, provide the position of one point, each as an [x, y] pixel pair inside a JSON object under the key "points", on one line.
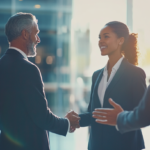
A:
{"points": [[102, 115], [73, 119]]}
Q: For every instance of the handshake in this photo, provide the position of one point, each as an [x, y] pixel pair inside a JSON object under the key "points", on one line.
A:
{"points": [[73, 119]]}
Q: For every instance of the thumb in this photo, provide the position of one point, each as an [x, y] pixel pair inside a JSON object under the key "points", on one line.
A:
{"points": [[115, 105]]}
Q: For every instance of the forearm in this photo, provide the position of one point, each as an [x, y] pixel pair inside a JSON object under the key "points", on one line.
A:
{"points": [[62, 127], [85, 119], [139, 117], [132, 120], [123, 122]]}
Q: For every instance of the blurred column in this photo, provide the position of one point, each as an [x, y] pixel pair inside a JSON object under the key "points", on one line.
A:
{"points": [[73, 65], [13, 7], [130, 14], [59, 93]]}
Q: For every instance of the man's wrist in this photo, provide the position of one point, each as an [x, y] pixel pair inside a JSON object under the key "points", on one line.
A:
{"points": [[116, 123], [68, 124]]}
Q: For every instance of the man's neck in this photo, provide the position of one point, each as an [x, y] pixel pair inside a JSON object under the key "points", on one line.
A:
{"points": [[19, 45], [19, 50]]}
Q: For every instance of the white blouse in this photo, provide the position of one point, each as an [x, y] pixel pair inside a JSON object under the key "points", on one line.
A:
{"points": [[104, 83]]}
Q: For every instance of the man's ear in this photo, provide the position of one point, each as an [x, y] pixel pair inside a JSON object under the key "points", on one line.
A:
{"points": [[25, 34]]}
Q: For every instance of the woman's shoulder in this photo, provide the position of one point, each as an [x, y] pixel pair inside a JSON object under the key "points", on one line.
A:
{"points": [[96, 73], [135, 69]]}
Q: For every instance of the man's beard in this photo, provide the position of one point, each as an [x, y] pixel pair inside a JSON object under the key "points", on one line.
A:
{"points": [[31, 49]]}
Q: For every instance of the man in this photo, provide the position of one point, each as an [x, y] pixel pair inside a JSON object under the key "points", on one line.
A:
{"points": [[126, 120], [24, 114]]}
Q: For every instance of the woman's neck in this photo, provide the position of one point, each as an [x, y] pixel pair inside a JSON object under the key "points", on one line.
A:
{"points": [[113, 60]]}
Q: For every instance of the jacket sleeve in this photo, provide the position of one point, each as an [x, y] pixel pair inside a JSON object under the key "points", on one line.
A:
{"points": [[36, 104], [138, 86], [86, 117], [138, 118]]}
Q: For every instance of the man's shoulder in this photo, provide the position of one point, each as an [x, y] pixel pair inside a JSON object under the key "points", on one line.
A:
{"points": [[29, 65], [29, 68]]}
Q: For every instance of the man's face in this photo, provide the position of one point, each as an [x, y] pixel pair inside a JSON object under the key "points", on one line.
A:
{"points": [[33, 41]]}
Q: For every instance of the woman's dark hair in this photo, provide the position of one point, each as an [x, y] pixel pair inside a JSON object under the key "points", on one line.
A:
{"points": [[129, 48]]}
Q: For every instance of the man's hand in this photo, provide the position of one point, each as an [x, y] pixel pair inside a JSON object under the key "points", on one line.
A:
{"points": [[108, 116], [72, 129], [74, 120]]}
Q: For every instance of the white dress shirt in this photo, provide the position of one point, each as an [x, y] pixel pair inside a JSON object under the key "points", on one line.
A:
{"points": [[25, 56], [104, 83]]}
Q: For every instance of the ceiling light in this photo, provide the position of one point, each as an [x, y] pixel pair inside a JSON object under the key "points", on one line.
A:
{"points": [[37, 6]]}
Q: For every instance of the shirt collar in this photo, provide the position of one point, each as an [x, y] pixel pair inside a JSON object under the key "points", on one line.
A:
{"points": [[115, 67], [20, 51]]}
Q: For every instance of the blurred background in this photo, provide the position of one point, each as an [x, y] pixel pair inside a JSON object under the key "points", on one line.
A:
{"points": [[68, 53]]}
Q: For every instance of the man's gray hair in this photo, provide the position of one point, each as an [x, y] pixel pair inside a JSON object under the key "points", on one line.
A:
{"points": [[17, 23]]}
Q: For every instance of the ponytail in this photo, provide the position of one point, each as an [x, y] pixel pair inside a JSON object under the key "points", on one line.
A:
{"points": [[130, 49]]}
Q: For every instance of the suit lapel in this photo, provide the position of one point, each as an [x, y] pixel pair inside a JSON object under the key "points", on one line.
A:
{"points": [[95, 90], [116, 79]]}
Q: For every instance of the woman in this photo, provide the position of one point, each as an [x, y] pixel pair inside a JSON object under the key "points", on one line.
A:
{"points": [[120, 80]]}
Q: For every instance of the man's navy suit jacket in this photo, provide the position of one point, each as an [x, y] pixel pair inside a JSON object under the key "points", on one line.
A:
{"points": [[126, 88], [24, 114], [140, 117]]}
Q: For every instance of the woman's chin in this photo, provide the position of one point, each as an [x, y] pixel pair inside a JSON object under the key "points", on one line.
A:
{"points": [[103, 54]]}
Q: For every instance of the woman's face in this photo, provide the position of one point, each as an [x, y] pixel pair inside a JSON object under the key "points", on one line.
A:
{"points": [[109, 43]]}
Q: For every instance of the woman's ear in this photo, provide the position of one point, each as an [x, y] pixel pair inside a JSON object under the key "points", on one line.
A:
{"points": [[121, 40]]}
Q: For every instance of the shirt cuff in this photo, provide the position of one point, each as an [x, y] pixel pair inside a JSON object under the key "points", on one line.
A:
{"points": [[116, 124], [68, 124], [116, 127]]}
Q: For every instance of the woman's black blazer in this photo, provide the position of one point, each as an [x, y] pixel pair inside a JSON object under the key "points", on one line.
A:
{"points": [[126, 88]]}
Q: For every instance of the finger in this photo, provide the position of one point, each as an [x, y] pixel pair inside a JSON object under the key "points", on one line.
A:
{"points": [[106, 122], [71, 128], [99, 117], [76, 117], [104, 109], [78, 126], [70, 111], [75, 124], [101, 121], [103, 112], [74, 113], [71, 131], [115, 105]]}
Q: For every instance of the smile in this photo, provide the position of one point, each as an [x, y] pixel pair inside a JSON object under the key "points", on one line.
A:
{"points": [[103, 47]]}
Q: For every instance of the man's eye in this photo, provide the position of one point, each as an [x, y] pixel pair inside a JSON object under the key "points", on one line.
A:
{"points": [[106, 36], [99, 37]]}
